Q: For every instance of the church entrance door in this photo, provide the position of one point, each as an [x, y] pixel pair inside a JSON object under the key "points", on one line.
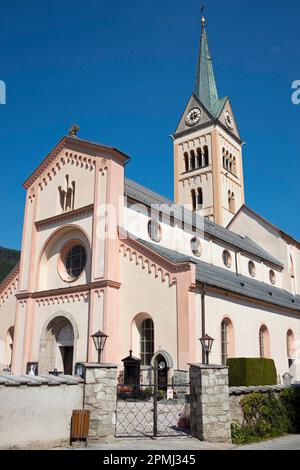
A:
{"points": [[57, 347]]}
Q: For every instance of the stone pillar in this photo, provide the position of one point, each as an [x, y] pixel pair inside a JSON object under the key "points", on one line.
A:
{"points": [[100, 397], [210, 410]]}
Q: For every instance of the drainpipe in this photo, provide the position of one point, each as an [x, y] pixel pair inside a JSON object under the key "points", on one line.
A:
{"points": [[203, 327]]}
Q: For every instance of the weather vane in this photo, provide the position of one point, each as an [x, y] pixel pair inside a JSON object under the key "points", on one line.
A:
{"points": [[202, 13]]}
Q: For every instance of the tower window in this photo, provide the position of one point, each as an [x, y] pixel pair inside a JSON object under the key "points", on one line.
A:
{"points": [[199, 198], [186, 161], [194, 200], [199, 158], [193, 160], [231, 201], [205, 156]]}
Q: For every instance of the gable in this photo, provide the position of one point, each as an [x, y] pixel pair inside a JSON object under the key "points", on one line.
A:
{"points": [[225, 112], [205, 118], [67, 183]]}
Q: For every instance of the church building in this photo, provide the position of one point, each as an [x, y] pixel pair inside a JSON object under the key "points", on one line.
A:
{"points": [[102, 252]]}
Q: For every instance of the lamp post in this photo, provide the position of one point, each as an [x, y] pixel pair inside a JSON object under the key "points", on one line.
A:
{"points": [[99, 339], [206, 343]]}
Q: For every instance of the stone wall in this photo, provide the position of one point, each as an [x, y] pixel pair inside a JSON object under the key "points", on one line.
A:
{"points": [[210, 414], [35, 412], [237, 393], [101, 399]]}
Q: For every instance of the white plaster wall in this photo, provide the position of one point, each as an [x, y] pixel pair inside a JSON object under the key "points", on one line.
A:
{"points": [[142, 292], [247, 320], [37, 417], [270, 241], [136, 222]]}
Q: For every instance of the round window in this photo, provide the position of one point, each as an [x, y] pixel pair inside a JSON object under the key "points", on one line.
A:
{"points": [[154, 230], [196, 246], [74, 261], [252, 269], [227, 259], [272, 277]]}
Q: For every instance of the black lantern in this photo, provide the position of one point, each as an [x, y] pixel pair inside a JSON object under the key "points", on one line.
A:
{"points": [[206, 343], [99, 339]]}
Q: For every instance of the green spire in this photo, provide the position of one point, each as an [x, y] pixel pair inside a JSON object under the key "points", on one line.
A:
{"points": [[205, 86]]}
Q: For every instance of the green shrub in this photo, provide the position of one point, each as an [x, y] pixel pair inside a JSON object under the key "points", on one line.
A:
{"points": [[251, 371], [268, 415]]}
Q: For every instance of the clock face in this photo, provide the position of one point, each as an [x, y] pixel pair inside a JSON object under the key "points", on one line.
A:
{"points": [[229, 120], [193, 117]]}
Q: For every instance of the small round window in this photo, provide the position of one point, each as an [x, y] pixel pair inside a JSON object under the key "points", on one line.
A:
{"points": [[154, 230], [272, 277], [252, 269], [196, 246], [75, 260], [227, 259]]}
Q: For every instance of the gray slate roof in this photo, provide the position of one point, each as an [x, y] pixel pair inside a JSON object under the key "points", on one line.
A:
{"points": [[228, 280], [145, 196]]}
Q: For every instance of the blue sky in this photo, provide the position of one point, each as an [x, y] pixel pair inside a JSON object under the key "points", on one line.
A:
{"points": [[124, 70]]}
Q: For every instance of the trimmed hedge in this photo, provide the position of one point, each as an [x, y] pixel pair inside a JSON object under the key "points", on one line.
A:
{"points": [[246, 371], [267, 416]]}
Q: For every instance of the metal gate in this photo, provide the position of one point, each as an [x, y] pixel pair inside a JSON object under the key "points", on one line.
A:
{"points": [[153, 411]]}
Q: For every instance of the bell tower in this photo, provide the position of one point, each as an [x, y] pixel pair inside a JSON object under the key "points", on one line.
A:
{"points": [[208, 167]]}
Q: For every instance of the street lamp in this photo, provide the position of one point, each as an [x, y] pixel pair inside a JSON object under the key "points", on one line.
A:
{"points": [[99, 339], [206, 343]]}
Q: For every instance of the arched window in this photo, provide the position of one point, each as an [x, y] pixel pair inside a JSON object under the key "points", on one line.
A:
{"points": [[199, 158], [264, 342], [252, 268], [154, 230], [227, 259], [205, 156], [186, 162], [196, 246], [290, 346], [199, 198], [193, 160], [227, 340], [194, 200], [231, 201], [147, 341], [292, 269]]}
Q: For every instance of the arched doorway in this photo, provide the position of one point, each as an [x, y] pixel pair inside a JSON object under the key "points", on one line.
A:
{"points": [[162, 361], [162, 372], [57, 346]]}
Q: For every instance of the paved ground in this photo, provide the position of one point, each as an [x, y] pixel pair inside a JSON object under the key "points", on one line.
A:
{"points": [[163, 443], [291, 442]]}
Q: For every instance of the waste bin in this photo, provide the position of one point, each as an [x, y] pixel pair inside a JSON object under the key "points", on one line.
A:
{"points": [[80, 424]]}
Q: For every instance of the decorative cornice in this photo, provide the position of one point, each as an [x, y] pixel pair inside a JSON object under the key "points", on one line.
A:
{"points": [[12, 276], [86, 288], [64, 216], [148, 259], [76, 145]]}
